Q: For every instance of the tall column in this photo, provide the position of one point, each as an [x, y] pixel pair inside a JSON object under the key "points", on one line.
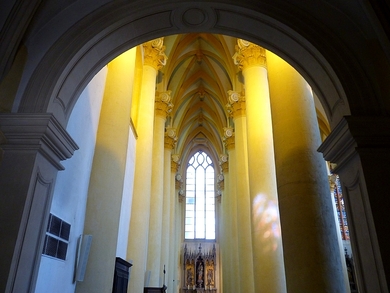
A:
{"points": [[154, 59], [246, 277], [162, 108], [233, 228], [176, 185], [224, 225], [35, 145], [229, 244], [266, 237], [102, 215], [168, 239], [360, 148], [312, 257]]}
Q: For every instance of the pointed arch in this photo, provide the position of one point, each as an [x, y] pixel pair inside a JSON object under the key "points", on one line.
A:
{"points": [[200, 198]]}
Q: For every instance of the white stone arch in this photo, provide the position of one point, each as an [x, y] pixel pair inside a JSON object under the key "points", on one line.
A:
{"points": [[331, 64], [67, 67]]}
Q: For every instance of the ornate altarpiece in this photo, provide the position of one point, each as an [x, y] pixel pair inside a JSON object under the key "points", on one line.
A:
{"points": [[199, 270]]}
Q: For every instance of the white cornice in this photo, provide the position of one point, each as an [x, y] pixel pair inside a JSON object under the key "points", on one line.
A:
{"points": [[39, 132]]}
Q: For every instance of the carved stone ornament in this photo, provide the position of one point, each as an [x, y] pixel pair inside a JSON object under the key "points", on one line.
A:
{"points": [[181, 191], [236, 106], [169, 142], [229, 142], [176, 158], [171, 132], [170, 138], [163, 106], [249, 54], [233, 96], [228, 132], [154, 53], [165, 96], [223, 158], [175, 162]]}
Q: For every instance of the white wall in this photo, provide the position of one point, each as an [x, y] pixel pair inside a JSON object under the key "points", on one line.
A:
{"points": [[127, 197], [71, 189]]}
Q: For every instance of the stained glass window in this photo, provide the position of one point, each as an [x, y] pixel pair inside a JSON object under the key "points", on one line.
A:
{"points": [[340, 208], [200, 198]]}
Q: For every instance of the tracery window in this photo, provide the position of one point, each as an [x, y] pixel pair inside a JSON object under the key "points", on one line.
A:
{"points": [[200, 198]]}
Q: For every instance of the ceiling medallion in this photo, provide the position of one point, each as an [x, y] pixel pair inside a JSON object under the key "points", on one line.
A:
{"points": [[194, 17]]}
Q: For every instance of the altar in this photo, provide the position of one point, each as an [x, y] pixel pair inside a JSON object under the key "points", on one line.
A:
{"points": [[199, 271]]}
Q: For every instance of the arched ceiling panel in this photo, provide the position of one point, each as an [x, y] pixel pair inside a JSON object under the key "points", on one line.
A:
{"points": [[199, 72]]}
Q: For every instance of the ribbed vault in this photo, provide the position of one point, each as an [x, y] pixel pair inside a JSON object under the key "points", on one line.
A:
{"points": [[199, 72]]}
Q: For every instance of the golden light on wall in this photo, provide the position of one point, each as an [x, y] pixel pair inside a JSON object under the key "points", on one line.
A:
{"points": [[266, 222]]}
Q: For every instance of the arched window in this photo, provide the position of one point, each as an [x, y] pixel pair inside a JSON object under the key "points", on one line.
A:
{"points": [[200, 198]]}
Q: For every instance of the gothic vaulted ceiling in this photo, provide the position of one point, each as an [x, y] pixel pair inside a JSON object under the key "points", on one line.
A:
{"points": [[199, 72]]}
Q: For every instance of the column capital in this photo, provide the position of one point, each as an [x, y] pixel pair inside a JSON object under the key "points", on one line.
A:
{"points": [[230, 143], [154, 53], [40, 132], [174, 166], [179, 185], [228, 138], [224, 166], [170, 138], [249, 54], [224, 163], [236, 105], [175, 163], [163, 105], [228, 132]]}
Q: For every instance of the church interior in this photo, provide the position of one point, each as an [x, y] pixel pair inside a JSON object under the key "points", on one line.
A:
{"points": [[183, 147]]}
